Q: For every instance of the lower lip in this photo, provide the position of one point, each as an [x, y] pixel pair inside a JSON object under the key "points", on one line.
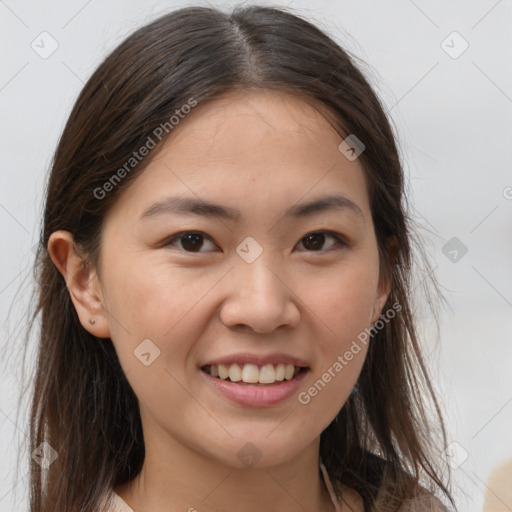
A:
{"points": [[254, 395]]}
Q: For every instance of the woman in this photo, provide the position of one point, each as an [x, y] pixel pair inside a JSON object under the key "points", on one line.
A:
{"points": [[224, 272]]}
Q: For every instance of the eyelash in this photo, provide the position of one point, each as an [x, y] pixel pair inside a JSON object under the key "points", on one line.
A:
{"points": [[338, 238]]}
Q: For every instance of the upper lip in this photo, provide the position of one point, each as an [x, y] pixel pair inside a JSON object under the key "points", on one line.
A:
{"points": [[258, 359]]}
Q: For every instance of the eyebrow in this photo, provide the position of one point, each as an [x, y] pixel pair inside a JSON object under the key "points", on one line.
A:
{"points": [[192, 206]]}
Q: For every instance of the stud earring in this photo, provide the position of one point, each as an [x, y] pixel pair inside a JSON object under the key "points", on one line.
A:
{"points": [[92, 321]]}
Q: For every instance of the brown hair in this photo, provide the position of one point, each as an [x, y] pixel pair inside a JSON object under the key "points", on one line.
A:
{"points": [[82, 405]]}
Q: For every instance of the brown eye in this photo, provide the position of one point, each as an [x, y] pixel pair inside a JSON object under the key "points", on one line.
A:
{"points": [[190, 241], [315, 241], [193, 242]]}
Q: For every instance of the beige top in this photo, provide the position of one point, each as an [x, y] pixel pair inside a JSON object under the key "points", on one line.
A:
{"points": [[422, 503], [119, 505]]}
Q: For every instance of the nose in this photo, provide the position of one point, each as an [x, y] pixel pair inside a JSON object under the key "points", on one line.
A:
{"points": [[260, 297]]}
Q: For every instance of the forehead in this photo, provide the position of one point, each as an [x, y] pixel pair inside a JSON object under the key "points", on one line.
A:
{"points": [[246, 145], [260, 113]]}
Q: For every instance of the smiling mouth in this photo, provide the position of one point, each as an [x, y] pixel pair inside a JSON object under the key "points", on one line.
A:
{"points": [[260, 375]]}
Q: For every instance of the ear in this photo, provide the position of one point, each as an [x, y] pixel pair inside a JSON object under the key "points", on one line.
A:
{"points": [[82, 283], [381, 296], [385, 279]]}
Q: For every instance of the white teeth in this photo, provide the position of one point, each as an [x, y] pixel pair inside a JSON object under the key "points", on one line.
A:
{"points": [[280, 371], [235, 373], [288, 373], [252, 374], [223, 371], [268, 374]]}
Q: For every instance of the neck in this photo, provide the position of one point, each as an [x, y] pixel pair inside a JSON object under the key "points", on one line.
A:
{"points": [[185, 480]]}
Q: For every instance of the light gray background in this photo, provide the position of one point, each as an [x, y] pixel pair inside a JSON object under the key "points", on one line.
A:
{"points": [[453, 117]]}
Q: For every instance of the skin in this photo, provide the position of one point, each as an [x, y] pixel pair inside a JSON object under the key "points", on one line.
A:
{"points": [[259, 152]]}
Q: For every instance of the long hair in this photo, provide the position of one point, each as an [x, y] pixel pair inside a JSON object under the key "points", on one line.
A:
{"points": [[383, 443]]}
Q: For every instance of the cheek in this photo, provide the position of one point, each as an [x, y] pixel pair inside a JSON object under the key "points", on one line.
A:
{"points": [[153, 295], [344, 300], [342, 311], [145, 303], [158, 303]]}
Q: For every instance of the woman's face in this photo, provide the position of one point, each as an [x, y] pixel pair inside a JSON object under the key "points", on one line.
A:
{"points": [[270, 285]]}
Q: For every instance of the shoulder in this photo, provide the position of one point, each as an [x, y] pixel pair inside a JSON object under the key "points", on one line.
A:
{"points": [[112, 502], [500, 497], [424, 501]]}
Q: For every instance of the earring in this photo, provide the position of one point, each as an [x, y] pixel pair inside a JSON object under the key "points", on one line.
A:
{"points": [[92, 321]]}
